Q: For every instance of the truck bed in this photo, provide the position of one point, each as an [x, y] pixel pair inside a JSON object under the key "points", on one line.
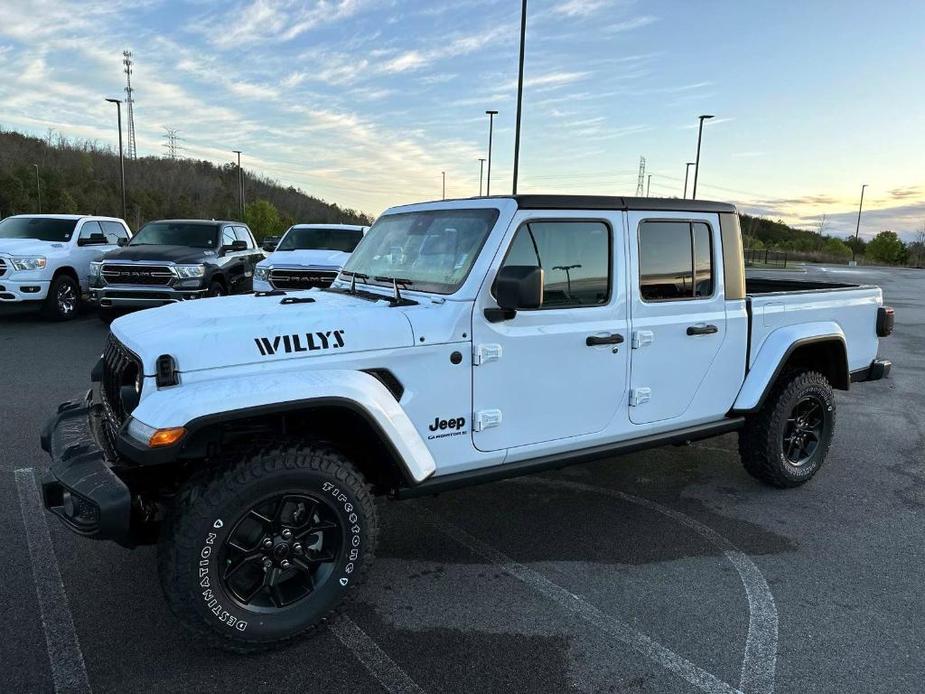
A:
{"points": [[816, 307]]}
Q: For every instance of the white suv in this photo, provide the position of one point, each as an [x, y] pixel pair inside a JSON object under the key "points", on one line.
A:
{"points": [[308, 255], [45, 259]]}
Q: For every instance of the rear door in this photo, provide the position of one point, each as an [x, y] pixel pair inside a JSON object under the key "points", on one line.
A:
{"points": [[558, 371], [678, 313]]}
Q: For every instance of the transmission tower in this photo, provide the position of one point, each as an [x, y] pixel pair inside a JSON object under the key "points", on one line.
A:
{"points": [[170, 142], [129, 102], [641, 184]]}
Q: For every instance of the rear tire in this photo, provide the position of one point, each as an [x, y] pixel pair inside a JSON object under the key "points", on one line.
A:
{"points": [[785, 443], [228, 559], [63, 299]]}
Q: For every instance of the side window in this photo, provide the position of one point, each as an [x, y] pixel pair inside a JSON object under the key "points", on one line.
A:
{"points": [[113, 231], [228, 236], [244, 235], [90, 233], [675, 260], [575, 257]]}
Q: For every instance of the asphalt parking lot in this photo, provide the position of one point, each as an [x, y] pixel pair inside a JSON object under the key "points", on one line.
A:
{"points": [[664, 571]]}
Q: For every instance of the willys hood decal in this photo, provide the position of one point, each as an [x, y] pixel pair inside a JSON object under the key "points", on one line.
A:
{"points": [[235, 330]]}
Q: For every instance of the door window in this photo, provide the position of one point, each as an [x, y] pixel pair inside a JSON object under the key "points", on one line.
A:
{"points": [[244, 235], [91, 233], [574, 256], [675, 260], [228, 236], [113, 231]]}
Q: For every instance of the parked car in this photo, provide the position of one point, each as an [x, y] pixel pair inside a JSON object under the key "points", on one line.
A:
{"points": [[465, 341], [309, 255], [174, 260], [270, 243], [45, 259]]}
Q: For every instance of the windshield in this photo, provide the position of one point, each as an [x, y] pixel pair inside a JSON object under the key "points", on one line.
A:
{"points": [[307, 238], [177, 234], [41, 228], [430, 251]]}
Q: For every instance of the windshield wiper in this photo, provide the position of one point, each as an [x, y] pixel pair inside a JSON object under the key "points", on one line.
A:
{"points": [[395, 282], [353, 281]]}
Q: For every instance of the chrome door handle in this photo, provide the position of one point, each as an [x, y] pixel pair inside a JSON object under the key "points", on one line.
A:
{"points": [[702, 329], [594, 340]]}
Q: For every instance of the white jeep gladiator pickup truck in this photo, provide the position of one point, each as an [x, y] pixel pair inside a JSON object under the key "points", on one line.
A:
{"points": [[45, 259], [464, 341]]}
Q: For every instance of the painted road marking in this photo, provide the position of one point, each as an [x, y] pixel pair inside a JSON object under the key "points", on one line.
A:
{"points": [[651, 649], [367, 651], [68, 671], [760, 660]]}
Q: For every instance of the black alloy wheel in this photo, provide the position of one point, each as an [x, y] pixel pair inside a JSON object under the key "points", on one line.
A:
{"points": [[803, 430]]}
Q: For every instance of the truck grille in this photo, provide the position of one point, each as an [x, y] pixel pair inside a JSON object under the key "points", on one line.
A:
{"points": [[301, 279], [148, 275], [120, 368]]}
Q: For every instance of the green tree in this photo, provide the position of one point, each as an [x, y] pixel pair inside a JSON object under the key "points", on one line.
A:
{"points": [[263, 218], [836, 248], [886, 247]]}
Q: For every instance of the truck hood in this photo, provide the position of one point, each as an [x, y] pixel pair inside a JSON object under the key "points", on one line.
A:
{"points": [[169, 254], [235, 330], [307, 257], [30, 246]]}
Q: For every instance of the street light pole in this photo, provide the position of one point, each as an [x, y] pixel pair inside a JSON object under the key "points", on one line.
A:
{"points": [[520, 93], [648, 185], [697, 162], [491, 132], [444, 184], [121, 156], [481, 172], [38, 188], [240, 185], [857, 230], [687, 170]]}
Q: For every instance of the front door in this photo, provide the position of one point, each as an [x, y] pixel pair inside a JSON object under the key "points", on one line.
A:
{"points": [[560, 370], [679, 314]]}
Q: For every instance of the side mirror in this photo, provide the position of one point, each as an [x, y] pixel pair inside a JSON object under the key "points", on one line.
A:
{"points": [[516, 287], [121, 242], [92, 240], [236, 245]]}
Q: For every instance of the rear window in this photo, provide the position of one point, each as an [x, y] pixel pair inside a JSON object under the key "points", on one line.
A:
{"points": [[177, 234], [675, 260], [302, 238], [41, 228]]}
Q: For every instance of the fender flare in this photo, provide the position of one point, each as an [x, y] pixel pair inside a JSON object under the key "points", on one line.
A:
{"points": [[777, 348], [200, 404]]}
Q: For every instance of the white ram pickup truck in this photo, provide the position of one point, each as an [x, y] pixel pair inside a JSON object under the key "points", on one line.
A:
{"points": [[464, 341], [45, 259]]}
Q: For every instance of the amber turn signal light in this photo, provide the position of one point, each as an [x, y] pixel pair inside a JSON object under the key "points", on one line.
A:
{"points": [[166, 437]]}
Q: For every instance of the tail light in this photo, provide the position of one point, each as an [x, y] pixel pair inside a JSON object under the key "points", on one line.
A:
{"points": [[884, 321]]}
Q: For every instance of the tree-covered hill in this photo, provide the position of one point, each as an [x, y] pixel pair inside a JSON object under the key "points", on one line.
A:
{"points": [[83, 177]]}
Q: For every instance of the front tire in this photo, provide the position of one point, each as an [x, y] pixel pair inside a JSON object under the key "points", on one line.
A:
{"points": [[786, 442], [63, 299], [268, 547], [216, 289]]}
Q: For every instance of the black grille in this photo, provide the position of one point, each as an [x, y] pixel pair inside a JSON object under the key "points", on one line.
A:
{"points": [[301, 279], [120, 368], [149, 275], [2, 267]]}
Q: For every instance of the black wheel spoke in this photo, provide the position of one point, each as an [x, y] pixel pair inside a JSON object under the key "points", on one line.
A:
{"points": [[260, 517], [239, 564]]}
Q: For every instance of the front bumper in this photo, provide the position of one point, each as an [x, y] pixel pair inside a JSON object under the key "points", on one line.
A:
{"points": [[141, 297], [20, 291], [81, 487]]}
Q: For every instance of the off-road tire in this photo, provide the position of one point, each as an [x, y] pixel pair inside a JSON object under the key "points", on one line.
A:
{"points": [[761, 446], [52, 307], [206, 512], [216, 288]]}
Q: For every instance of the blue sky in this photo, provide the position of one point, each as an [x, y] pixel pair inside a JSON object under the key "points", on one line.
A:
{"points": [[365, 102]]}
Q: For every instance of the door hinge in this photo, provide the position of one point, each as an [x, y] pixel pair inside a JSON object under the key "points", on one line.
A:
{"points": [[486, 419], [486, 353], [641, 338], [640, 395]]}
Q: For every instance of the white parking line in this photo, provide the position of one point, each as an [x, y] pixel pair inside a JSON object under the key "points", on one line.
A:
{"points": [[651, 649], [380, 665], [68, 671], [760, 660]]}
